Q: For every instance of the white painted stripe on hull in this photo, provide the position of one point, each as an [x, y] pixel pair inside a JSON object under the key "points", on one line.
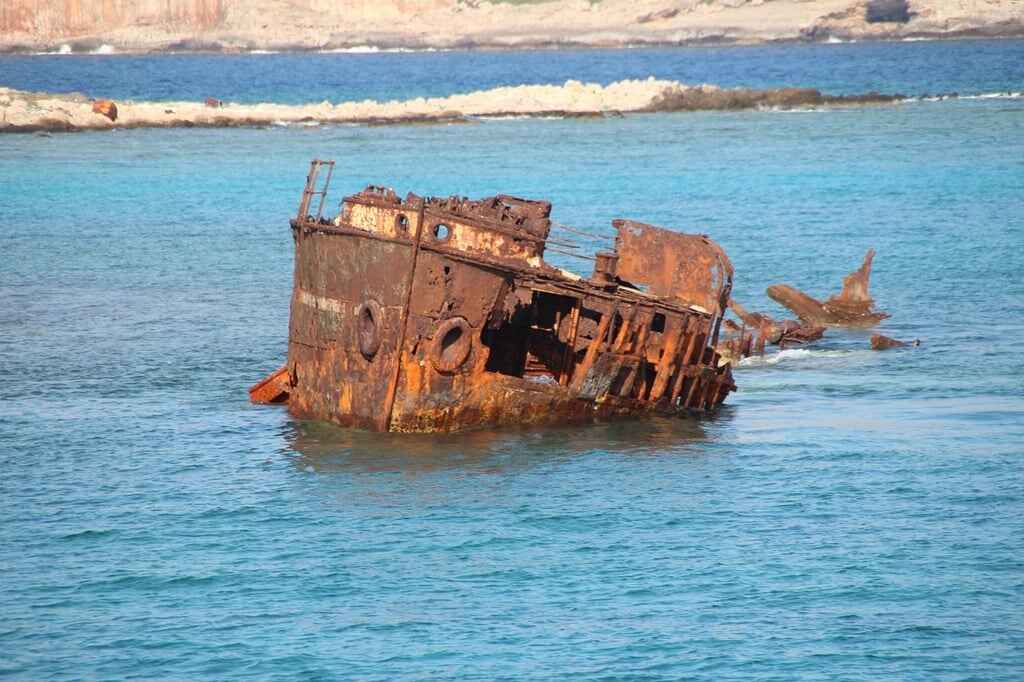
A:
{"points": [[321, 302]]}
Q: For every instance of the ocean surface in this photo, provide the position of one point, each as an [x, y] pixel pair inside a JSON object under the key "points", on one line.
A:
{"points": [[849, 515]]}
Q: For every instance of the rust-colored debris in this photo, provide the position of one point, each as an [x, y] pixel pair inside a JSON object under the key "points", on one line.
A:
{"points": [[441, 314], [757, 329], [780, 333], [853, 307], [106, 108], [880, 342], [273, 389]]}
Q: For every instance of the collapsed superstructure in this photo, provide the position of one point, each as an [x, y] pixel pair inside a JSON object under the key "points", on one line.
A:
{"points": [[440, 314]]}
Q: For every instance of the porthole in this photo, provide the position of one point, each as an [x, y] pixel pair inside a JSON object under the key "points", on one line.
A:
{"points": [[402, 224], [369, 317], [441, 232], [451, 345]]}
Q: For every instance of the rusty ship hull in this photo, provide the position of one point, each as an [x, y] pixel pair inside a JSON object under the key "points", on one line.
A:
{"points": [[440, 314]]}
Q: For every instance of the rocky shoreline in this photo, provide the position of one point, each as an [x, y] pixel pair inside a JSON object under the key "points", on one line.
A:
{"points": [[91, 47], [239, 26], [25, 112]]}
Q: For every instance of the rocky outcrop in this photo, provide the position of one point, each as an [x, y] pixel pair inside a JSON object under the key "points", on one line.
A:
{"points": [[232, 25], [711, 98], [28, 112], [912, 19], [61, 19]]}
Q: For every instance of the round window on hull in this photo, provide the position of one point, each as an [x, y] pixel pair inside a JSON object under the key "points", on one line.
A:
{"points": [[451, 345], [369, 318], [441, 232]]}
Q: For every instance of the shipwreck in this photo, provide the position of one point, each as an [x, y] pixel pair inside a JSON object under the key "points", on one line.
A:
{"points": [[424, 314]]}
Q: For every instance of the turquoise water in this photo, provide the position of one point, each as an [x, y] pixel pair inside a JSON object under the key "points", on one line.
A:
{"points": [[849, 515], [968, 66]]}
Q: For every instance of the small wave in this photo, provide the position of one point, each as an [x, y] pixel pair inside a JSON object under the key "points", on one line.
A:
{"points": [[63, 49], [487, 541], [301, 124], [793, 355], [518, 117], [506, 117], [104, 49], [374, 49], [1009, 94], [784, 110], [505, 574], [188, 580], [423, 49], [264, 52], [358, 49], [87, 534], [994, 95]]}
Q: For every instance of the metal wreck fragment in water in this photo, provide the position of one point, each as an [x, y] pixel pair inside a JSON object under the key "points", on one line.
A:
{"points": [[882, 342], [781, 334], [852, 307], [441, 314]]}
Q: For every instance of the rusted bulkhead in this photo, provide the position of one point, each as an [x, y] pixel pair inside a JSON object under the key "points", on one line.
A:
{"points": [[430, 314]]}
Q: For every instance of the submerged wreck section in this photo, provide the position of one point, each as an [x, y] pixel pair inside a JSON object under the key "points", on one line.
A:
{"points": [[759, 329], [440, 314], [852, 307]]}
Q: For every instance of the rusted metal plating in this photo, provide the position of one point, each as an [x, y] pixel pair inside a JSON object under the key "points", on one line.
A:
{"points": [[430, 314]]}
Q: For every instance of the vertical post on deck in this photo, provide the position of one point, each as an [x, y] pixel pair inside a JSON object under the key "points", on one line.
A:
{"points": [[570, 347], [389, 396]]}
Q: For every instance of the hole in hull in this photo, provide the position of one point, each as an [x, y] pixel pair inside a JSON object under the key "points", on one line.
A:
{"points": [[441, 232]]}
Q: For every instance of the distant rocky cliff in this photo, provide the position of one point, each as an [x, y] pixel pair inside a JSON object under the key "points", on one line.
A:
{"points": [[231, 25], [68, 18]]}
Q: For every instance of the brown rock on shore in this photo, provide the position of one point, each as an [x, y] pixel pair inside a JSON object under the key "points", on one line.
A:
{"points": [[106, 108]]}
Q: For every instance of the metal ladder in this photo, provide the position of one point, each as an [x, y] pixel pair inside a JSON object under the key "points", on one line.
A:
{"points": [[311, 190]]}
